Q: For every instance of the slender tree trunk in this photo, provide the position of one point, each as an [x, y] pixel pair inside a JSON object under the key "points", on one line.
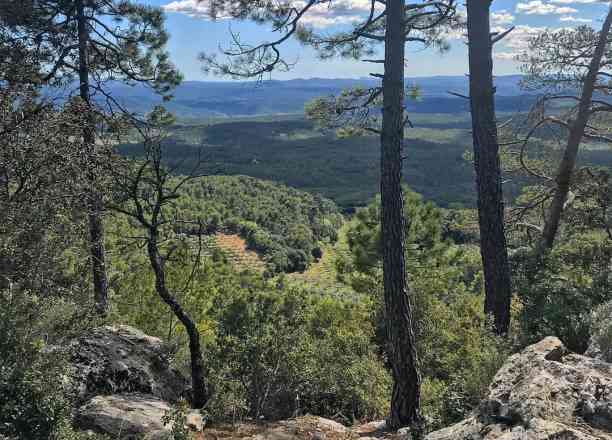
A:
{"points": [[493, 249], [399, 320], [576, 131], [198, 385], [96, 227]]}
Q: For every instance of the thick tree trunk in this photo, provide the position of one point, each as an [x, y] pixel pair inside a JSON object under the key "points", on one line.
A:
{"points": [[399, 320], [96, 227], [493, 249], [198, 384], [576, 131]]}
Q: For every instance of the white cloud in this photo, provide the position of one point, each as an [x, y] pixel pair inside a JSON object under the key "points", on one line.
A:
{"points": [[516, 42], [575, 2], [501, 17], [538, 7], [337, 12], [193, 8], [323, 15], [571, 18], [499, 23]]}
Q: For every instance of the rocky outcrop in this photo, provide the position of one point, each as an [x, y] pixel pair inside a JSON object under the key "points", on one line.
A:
{"points": [[542, 393], [121, 359], [300, 428], [131, 416], [125, 384], [125, 416]]}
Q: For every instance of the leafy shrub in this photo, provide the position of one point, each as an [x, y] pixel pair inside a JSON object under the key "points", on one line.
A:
{"points": [[559, 291], [290, 352], [176, 418], [601, 329], [36, 391]]}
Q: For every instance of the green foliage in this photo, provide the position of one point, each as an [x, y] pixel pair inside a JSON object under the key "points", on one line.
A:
{"points": [[346, 170], [176, 417], [294, 352], [131, 51], [459, 354], [601, 329], [559, 291], [271, 349], [284, 225], [43, 264], [34, 384]]}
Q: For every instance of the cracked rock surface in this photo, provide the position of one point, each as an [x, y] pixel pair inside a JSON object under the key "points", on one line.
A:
{"points": [[542, 393]]}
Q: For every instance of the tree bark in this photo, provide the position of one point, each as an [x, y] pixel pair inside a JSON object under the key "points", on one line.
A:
{"points": [[493, 248], [198, 385], [576, 132], [399, 320], [94, 202]]}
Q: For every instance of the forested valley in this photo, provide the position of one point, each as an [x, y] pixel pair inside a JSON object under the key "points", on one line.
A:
{"points": [[332, 260]]}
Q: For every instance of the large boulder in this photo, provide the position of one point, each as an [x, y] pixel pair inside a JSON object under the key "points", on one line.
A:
{"points": [[121, 359], [130, 416], [544, 392], [124, 416]]}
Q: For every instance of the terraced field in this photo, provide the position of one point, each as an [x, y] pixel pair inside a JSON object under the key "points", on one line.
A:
{"points": [[235, 248], [322, 274]]}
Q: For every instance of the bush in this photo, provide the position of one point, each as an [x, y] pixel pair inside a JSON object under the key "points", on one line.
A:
{"points": [[36, 391], [286, 352], [559, 291], [601, 329]]}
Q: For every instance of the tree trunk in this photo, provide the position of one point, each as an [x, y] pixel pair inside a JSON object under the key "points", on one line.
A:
{"points": [[198, 385], [94, 202], [399, 320], [576, 131], [493, 249]]}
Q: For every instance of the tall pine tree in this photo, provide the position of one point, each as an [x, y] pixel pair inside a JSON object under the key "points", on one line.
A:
{"points": [[94, 43], [392, 24]]}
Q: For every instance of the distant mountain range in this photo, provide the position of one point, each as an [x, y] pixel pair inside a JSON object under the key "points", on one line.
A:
{"points": [[201, 99]]}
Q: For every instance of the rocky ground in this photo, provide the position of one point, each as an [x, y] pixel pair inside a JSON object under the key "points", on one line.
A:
{"points": [[543, 393]]}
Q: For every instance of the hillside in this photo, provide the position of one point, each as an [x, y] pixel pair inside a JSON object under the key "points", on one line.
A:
{"points": [[290, 150], [285, 226]]}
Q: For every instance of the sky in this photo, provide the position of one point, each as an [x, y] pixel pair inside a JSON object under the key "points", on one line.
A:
{"points": [[193, 32]]}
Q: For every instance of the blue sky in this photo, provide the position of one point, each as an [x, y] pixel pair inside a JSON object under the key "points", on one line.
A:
{"points": [[193, 32]]}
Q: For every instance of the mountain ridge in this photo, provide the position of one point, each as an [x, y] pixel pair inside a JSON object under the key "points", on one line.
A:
{"points": [[221, 99]]}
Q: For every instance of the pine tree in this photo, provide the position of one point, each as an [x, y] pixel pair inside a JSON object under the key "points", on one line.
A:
{"points": [[393, 23], [493, 248], [96, 43]]}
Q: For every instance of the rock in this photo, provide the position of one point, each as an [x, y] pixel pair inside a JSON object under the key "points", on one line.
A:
{"points": [[327, 425], [544, 392], [121, 359], [124, 416], [194, 422], [130, 416], [374, 428], [301, 428]]}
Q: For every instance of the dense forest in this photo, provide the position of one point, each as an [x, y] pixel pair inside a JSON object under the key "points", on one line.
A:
{"points": [[376, 256]]}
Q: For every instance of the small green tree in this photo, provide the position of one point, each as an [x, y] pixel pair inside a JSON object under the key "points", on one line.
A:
{"points": [[146, 192]]}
